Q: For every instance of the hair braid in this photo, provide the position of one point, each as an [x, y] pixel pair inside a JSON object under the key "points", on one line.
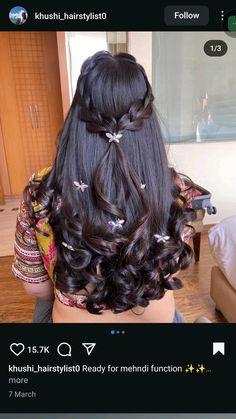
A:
{"points": [[97, 121]]}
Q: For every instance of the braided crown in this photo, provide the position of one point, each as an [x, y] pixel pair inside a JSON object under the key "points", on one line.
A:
{"points": [[96, 121]]}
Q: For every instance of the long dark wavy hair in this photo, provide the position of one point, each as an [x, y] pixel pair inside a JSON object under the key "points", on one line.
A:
{"points": [[105, 234]]}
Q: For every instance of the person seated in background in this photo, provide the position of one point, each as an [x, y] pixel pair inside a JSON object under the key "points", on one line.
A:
{"points": [[101, 229]]}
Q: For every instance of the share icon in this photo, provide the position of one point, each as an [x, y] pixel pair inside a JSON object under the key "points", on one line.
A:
{"points": [[89, 347]]}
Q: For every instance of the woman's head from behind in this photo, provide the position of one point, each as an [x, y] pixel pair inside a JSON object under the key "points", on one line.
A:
{"points": [[115, 88], [111, 143]]}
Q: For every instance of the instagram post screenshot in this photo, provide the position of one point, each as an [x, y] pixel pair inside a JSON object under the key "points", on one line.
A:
{"points": [[117, 211]]}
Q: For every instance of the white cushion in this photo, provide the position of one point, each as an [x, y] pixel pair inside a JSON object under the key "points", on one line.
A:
{"points": [[222, 241]]}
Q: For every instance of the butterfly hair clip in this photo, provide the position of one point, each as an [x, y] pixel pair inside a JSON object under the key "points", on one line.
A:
{"points": [[116, 224], [68, 246], [80, 186], [114, 137], [161, 238]]}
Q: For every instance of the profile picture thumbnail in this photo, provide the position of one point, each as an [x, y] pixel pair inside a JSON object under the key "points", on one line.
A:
{"points": [[18, 15]]}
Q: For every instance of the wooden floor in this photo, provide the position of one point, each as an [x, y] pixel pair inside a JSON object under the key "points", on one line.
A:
{"points": [[193, 300], [15, 305]]}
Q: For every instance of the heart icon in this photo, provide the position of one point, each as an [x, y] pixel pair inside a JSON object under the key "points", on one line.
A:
{"points": [[17, 348]]}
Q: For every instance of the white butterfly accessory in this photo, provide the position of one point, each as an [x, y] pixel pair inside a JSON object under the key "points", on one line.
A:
{"points": [[116, 224], [81, 186], [161, 238], [114, 137]]}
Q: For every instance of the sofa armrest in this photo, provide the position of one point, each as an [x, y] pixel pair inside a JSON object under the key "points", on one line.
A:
{"points": [[223, 294]]}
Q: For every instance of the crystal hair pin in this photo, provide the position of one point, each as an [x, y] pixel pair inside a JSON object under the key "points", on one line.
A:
{"points": [[80, 186], [161, 238], [143, 185], [58, 202], [114, 136], [116, 224], [68, 246]]}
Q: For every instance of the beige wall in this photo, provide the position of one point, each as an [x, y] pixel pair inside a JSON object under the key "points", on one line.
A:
{"points": [[212, 165], [140, 45]]}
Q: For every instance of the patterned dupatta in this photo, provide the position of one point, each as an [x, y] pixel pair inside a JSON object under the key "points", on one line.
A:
{"points": [[46, 243]]}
